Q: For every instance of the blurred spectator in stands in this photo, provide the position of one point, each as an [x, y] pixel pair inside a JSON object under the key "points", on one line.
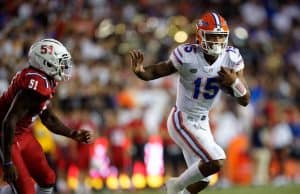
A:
{"points": [[281, 140], [120, 142], [261, 153]]}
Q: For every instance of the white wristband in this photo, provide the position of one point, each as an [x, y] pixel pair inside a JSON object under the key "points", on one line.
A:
{"points": [[238, 88]]}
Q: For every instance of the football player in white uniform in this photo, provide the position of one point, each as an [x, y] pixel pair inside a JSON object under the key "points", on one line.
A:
{"points": [[203, 69]]}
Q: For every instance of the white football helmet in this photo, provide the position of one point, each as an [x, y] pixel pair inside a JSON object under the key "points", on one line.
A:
{"points": [[51, 57]]}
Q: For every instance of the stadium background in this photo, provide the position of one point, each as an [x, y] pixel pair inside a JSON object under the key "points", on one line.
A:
{"points": [[133, 150]]}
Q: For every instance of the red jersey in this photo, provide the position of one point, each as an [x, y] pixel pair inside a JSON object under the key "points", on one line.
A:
{"points": [[28, 79]]}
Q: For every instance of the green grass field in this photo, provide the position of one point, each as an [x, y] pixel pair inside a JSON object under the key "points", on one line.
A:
{"points": [[289, 189]]}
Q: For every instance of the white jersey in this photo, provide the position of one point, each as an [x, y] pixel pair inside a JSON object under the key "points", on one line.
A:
{"points": [[197, 85]]}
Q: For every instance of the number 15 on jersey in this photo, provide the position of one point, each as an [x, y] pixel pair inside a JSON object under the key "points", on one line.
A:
{"points": [[210, 88]]}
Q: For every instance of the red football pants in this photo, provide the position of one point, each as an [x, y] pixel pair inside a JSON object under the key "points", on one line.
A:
{"points": [[31, 164]]}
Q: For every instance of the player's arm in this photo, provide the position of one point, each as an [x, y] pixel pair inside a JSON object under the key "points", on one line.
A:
{"points": [[21, 105], [245, 96], [150, 72], [237, 83], [55, 125]]}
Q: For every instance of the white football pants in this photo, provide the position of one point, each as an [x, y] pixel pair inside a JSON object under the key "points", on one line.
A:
{"points": [[194, 137]]}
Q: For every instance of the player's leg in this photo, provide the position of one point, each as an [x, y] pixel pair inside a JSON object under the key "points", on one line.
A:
{"points": [[38, 166], [190, 181], [195, 187], [24, 183], [195, 138], [190, 159], [212, 157]]}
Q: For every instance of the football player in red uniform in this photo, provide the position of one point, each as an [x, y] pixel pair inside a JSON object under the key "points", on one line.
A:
{"points": [[26, 98]]}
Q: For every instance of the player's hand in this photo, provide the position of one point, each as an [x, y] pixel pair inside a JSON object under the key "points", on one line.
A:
{"points": [[226, 77], [136, 60], [83, 136], [9, 173]]}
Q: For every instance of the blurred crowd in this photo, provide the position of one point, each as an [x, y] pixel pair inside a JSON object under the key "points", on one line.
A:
{"points": [[262, 141]]}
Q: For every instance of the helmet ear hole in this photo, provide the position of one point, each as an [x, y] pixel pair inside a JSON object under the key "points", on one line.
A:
{"points": [[47, 63]]}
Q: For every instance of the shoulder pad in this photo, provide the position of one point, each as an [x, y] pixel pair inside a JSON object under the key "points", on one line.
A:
{"points": [[183, 55], [37, 82], [188, 50]]}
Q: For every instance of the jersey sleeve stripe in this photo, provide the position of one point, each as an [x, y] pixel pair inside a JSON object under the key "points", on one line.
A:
{"points": [[177, 58], [43, 77], [180, 53]]}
